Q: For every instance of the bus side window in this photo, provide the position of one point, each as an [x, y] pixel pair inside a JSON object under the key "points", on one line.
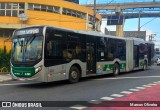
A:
{"points": [[142, 50], [121, 50], [67, 54], [49, 48], [111, 49], [74, 46], [55, 44], [101, 48], [78, 51]]}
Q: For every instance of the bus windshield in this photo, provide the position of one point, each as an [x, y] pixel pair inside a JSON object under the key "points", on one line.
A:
{"points": [[27, 47]]}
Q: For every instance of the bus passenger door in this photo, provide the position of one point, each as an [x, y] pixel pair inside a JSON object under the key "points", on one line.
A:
{"points": [[136, 56], [91, 57]]}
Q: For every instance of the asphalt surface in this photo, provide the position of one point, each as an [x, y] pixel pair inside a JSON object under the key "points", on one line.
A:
{"points": [[88, 89]]}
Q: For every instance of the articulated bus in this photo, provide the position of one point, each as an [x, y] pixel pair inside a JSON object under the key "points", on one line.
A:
{"points": [[45, 54]]}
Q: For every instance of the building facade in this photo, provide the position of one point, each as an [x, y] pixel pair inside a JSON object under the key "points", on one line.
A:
{"points": [[16, 14], [137, 34]]}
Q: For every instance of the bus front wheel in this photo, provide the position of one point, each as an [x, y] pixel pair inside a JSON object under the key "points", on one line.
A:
{"points": [[74, 74], [116, 69]]}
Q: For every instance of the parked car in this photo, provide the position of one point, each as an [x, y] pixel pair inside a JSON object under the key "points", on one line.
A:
{"points": [[156, 57], [158, 61]]}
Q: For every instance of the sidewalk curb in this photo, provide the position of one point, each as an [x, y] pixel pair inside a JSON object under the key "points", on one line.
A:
{"points": [[1, 73], [10, 79], [6, 78]]}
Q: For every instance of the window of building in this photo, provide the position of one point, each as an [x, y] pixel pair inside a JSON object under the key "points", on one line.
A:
{"points": [[14, 13], [2, 5], [79, 14], [69, 12], [83, 15], [15, 6], [2, 13], [8, 12], [73, 13], [30, 6], [8, 5], [43, 7], [37, 7], [21, 5], [75, 1], [64, 11], [56, 9], [11, 9], [49, 9], [90, 19]]}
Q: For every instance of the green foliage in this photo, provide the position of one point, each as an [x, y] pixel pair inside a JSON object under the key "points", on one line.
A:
{"points": [[5, 59]]}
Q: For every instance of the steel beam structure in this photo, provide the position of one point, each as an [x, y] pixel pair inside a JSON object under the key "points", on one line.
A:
{"points": [[124, 5]]}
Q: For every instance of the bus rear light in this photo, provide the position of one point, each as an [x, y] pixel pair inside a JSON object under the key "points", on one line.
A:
{"points": [[62, 73]]}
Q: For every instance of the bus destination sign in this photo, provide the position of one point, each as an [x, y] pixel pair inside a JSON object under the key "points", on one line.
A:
{"points": [[27, 31]]}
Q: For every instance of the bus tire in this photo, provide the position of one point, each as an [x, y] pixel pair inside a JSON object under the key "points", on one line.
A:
{"points": [[74, 75], [145, 66], [116, 69]]}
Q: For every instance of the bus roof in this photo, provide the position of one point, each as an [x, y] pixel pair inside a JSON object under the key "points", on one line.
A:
{"points": [[86, 32]]}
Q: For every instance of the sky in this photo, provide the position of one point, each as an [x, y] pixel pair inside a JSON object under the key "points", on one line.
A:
{"points": [[152, 27]]}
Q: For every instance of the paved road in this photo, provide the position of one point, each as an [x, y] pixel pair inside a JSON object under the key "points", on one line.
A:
{"points": [[88, 89]]}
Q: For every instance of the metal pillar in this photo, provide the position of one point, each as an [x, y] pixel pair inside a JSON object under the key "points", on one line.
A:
{"points": [[94, 17], [139, 22], [119, 28], [119, 31]]}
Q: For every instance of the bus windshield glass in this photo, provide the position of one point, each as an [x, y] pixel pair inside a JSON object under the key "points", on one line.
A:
{"points": [[27, 45]]}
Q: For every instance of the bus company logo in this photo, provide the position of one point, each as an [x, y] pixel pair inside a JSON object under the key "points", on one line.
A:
{"points": [[6, 104]]}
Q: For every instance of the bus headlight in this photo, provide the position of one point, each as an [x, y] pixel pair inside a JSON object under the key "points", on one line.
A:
{"points": [[38, 69]]}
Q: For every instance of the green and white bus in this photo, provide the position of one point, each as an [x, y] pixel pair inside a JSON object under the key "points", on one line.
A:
{"points": [[45, 53]]}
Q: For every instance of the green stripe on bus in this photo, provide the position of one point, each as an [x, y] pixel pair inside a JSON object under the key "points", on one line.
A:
{"points": [[108, 67], [122, 65], [25, 72]]}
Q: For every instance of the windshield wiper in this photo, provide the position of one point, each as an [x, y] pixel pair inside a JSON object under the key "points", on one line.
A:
{"points": [[14, 46], [29, 41], [21, 44], [34, 36]]}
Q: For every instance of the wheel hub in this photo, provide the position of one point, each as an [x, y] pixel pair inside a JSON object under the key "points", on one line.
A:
{"points": [[74, 74]]}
